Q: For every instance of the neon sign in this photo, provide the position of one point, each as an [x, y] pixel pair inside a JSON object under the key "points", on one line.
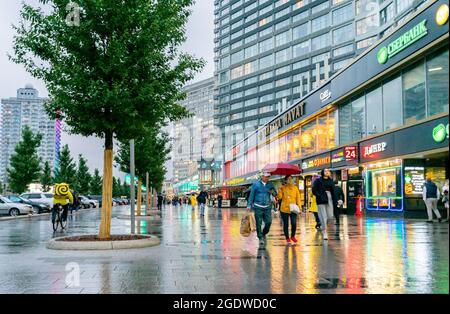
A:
{"points": [[368, 151], [401, 43], [440, 133]]}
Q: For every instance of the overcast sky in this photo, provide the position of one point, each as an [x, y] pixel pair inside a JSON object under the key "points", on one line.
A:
{"points": [[200, 33]]}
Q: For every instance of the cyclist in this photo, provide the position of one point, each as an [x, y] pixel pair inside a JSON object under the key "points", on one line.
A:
{"points": [[63, 197]]}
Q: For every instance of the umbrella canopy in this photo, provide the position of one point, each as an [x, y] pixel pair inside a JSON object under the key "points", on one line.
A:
{"points": [[282, 169]]}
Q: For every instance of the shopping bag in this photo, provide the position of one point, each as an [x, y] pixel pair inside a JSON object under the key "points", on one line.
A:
{"points": [[246, 226], [294, 208]]}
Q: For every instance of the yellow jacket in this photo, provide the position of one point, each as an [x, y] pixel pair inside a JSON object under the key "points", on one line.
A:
{"points": [[289, 194], [312, 204], [62, 194], [193, 200]]}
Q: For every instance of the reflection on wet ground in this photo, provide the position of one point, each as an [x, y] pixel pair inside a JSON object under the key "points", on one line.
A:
{"points": [[208, 255]]}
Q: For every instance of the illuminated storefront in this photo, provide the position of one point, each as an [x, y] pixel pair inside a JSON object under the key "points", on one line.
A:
{"points": [[380, 124]]}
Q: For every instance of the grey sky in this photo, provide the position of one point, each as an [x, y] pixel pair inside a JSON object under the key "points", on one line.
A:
{"points": [[200, 33]]}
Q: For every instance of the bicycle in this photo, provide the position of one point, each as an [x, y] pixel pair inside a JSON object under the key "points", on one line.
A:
{"points": [[58, 219]]}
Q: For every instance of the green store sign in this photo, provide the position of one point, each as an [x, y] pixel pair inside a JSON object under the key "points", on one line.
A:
{"points": [[440, 133], [401, 43]]}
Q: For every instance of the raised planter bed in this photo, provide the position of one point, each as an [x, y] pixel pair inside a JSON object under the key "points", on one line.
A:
{"points": [[92, 242]]}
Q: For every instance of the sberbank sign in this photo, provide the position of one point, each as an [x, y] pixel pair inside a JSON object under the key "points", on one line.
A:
{"points": [[440, 133], [405, 40]]}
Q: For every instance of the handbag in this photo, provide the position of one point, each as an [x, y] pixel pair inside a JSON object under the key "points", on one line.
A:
{"points": [[294, 208]]}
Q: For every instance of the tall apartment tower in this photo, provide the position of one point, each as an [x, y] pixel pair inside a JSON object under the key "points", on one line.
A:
{"points": [[193, 138], [270, 53], [26, 109]]}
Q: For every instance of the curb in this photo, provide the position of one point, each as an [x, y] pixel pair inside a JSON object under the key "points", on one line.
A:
{"points": [[150, 241]]}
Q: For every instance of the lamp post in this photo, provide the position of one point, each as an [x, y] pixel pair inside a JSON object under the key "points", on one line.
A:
{"points": [[132, 197]]}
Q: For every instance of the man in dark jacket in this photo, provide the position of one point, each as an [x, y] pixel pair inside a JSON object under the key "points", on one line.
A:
{"points": [[338, 201], [202, 199], [431, 194], [323, 190], [160, 201], [219, 201]]}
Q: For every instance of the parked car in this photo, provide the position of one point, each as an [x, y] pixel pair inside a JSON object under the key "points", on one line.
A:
{"points": [[97, 198], [87, 203], [119, 201], [46, 198], [38, 207], [14, 209]]}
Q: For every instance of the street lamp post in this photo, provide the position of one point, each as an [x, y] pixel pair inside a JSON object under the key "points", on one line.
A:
{"points": [[147, 193], [132, 174]]}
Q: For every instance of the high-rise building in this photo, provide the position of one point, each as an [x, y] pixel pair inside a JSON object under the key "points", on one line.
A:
{"points": [[193, 137], [27, 109], [271, 53]]}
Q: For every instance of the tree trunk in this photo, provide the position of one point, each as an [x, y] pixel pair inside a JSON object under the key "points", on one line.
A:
{"points": [[105, 223], [139, 198]]}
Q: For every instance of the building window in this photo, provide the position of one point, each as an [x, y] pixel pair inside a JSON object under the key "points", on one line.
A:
{"points": [[387, 14], [414, 93], [392, 104], [343, 14], [319, 23], [437, 81], [266, 45], [342, 50], [343, 34], [366, 42], [301, 49], [402, 5], [320, 7], [300, 31], [283, 55], [300, 16], [364, 25], [374, 101], [320, 42], [266, 62], [283, 38], [300, 64], [345, 124], [358, 118]]}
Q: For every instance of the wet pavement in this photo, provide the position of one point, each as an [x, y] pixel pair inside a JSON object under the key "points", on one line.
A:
{"points": [[208, 255]]}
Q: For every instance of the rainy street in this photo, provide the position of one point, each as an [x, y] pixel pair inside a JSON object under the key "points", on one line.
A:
{"points": [[208, 255]]}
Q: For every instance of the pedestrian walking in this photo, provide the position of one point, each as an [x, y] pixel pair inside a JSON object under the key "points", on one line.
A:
{"points": [[445, 198], [313, 209], [323, 190], [338, 202], [202, 199], [260, 202], [289, 198], [160, 201], [283, 184], [431, 195], [219, 201]]}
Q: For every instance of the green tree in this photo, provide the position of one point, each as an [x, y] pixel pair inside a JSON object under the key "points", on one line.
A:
{"points": [[96, 183], [112, 75], [25, 165], [66, 170], [125, 189], [83, 177], [46, 177], [117, 187]]}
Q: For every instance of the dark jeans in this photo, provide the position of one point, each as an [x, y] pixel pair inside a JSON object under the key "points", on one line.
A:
{"points": [[285, 219], [64, 213], [336, 213], [159, 206], [263, 214], [316, 216]]}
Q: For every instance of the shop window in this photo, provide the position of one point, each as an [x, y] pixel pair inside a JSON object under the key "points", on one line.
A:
{"points": [[308, 138], [384, 188], [414, 93], [293, 145], [374, 112], [392, 104], [358, 118], [437, 80], [345, 124]]}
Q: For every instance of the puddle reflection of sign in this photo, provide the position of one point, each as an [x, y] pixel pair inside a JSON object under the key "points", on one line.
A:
{"points": [[414, 180]]}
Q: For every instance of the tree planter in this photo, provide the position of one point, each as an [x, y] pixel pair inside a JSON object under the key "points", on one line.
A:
{"points": [[93, 242]]}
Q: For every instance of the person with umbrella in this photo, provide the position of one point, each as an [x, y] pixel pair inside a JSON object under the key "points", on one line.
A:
{"points": [[289, 196]]}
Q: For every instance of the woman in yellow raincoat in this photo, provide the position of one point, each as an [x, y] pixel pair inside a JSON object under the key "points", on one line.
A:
{"points": [[313, 208], [289, 194], [193, 200]]}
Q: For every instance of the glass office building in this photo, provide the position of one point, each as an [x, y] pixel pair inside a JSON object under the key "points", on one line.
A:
{"points": [[380, 123], [270, 53]]}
